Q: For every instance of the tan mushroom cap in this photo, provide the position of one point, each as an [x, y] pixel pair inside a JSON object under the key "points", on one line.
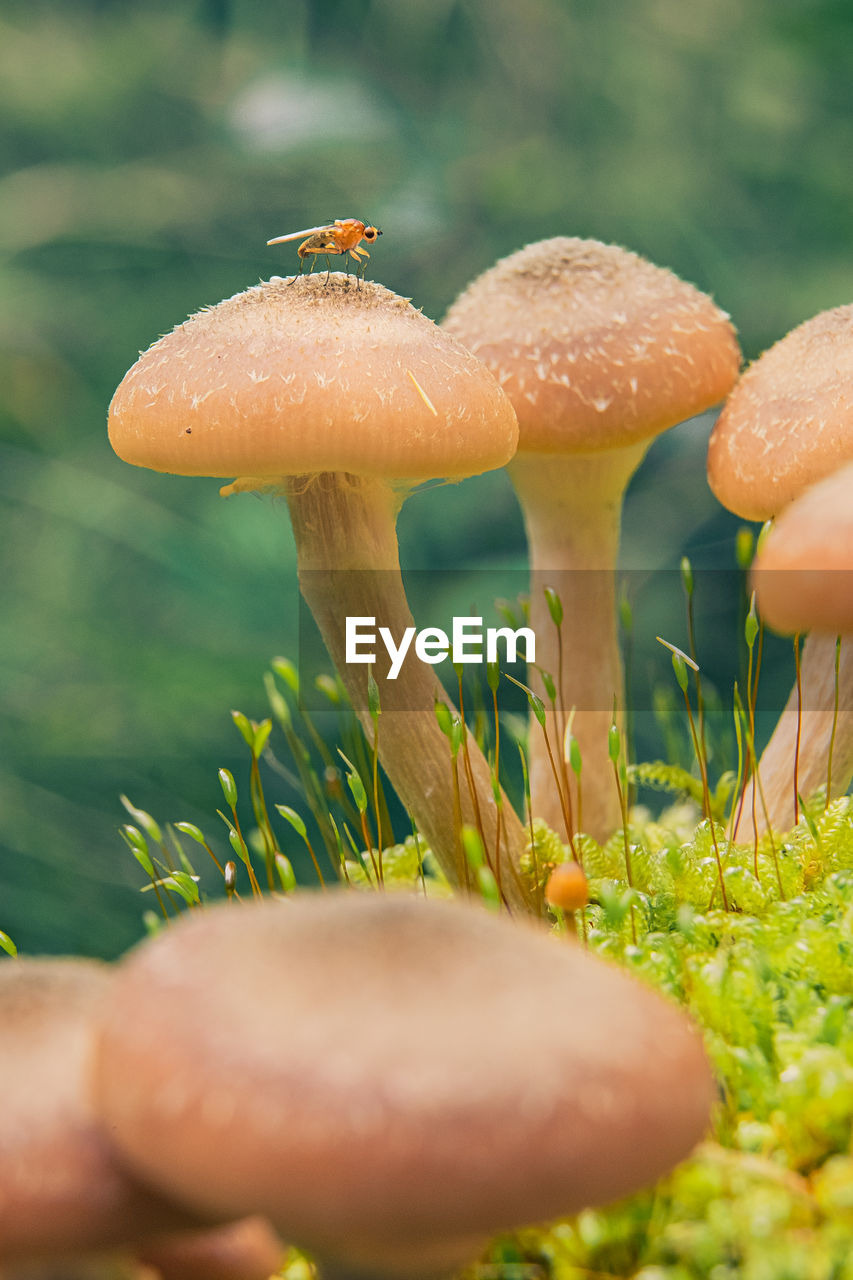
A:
{"points": [[789, 421], [61, 1186], [595, 346], [392, 1079], [289, 379], [803, 577]]}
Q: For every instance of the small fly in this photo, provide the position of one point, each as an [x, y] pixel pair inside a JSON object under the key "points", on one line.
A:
{"points": [[344, 236]]}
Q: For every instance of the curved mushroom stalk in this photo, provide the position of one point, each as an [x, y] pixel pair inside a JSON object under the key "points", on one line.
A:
{"points": [[776, 767], [345, 532], [572, 512]]}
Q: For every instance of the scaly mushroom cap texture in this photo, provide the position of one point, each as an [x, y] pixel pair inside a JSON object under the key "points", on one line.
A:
{"points": [[304, 377], [595, 346], [789, 421], [61, 1186], [384, 1077], [803, 576]]}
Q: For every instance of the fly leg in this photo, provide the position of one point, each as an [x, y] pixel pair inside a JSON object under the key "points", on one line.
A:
{"points": [[294, 277], [302, 257], [358, 253]]}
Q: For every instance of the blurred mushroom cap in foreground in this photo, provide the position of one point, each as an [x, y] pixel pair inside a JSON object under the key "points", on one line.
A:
{"points": [[391, 1080]]}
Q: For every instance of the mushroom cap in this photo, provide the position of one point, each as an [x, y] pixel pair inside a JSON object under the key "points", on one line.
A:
{"points": [[391, 1080], [595, 346], [61, 1186], [303, 377], [789, 421], [803, 575], [567, 887]]}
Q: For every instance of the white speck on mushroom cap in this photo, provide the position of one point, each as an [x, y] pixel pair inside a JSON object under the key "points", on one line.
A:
{"points": [[379, 1067], [302, 377], [789, 420], [594, 345]]}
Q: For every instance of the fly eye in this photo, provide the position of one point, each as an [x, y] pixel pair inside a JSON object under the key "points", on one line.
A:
{"points": [[370, 233]]}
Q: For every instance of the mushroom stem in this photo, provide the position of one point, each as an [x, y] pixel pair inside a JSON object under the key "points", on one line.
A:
{"points": [[65, 1267], [345, 531], [345, 1271], [439, 1261], [776, 766], [572, 508]]}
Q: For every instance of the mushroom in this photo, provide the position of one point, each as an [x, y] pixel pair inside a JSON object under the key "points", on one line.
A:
{"points": [[803, 575], [247, 1250], [391, 1080], [62, 1189], [599, 351], [342, 399], [98, 1266], [788, 424], [803, 579]]}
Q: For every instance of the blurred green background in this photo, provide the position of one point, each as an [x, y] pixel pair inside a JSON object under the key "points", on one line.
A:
{"points": [[149, 150]]}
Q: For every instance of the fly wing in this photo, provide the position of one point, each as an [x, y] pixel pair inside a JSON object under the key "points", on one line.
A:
{"points": [[297, 235], [325, 241]]}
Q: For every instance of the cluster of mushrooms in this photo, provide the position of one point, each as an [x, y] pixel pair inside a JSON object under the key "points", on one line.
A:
{"points": [[386, 1080]]}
